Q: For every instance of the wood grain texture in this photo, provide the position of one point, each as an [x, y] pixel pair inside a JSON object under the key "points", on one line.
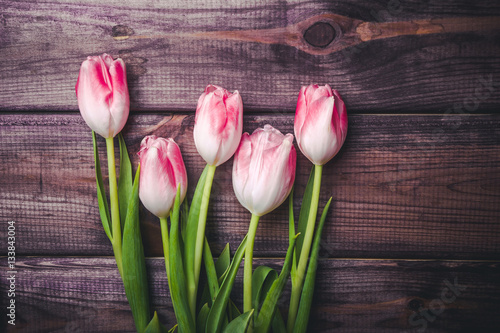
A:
{"points": [[383, 56], [416, 186], [86, 295]]}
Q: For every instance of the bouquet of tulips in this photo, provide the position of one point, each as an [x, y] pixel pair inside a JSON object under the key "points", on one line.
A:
{"points": [[263, 176]]}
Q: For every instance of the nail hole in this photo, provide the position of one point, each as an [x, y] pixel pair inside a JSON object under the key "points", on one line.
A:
{"points": [[320, 34]]}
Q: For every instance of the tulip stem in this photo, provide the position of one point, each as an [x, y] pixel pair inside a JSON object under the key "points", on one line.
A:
{"points": [[116, 228], [248, 268], [200, 235], [306, 247], [166, 245]]}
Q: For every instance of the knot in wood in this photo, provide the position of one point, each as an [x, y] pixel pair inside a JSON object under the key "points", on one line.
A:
{"points": [[415, 304], [121, 32], [320, 34]]}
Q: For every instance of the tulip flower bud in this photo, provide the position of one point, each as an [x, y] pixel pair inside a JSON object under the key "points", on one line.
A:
{"points": [[264, 169], [162, 170], [218, 124], [320, 123], [102, 93]]}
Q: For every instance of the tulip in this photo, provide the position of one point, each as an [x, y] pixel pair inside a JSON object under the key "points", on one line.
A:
{"points": [[162, 170], [320, 123], [217, 132], [263, 176], [264, 169], [218, 124], [102, 93], [320, 128]]}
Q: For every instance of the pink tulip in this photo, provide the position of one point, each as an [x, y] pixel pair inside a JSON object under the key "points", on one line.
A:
{"points": [[162, 170], [102, 94], [320, 123], [264, 169], [218, 124]]}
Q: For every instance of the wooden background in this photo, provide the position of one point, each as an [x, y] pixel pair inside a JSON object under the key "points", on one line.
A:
{"points": [[416, 187]]}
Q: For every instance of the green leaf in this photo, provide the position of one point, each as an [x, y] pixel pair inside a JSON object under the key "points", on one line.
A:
{"points": [[223, 262], [291, 217], [201, 321], [217, 312], [266, 313], [134, 265], [173, 329], [278, 325], [155, 326], [184, 219], [125, 179], [291, 232], [308, 288], [232, 310], [262, 279], [192, 226], [178, 291], [101, 194], [240, 324], [208, 260], [304, 213]]}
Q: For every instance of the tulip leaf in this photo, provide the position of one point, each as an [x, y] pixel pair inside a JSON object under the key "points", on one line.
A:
{"points": [[232, 310], [155, 326], [178, 290], [262, 279], [223, 262], [125, 180], [240, 324], [308, 288], [266, 313], [191, 228], [134, 264], [208, 260], [278, 325], [184, 218], [218, 310], [201, 320], [101, 194], [304, 213], [291, 231]]}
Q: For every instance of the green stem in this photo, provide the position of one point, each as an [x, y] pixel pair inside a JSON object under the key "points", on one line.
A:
{"points": [[200, 236], [306, 248], [166, 244], [115, 208], [247, 273]]}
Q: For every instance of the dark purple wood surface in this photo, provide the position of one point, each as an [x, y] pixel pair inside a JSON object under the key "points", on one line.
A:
{"points": [[383, 56], [351, 295], [416, 187]]}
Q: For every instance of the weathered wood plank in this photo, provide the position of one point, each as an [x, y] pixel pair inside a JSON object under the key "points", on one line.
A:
{"points": [[397, 56], [86, 295], [403, 187]]}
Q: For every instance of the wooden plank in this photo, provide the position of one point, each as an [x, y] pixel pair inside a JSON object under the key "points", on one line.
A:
{"points": [[86, 295], [410, 186], [384, 56]]}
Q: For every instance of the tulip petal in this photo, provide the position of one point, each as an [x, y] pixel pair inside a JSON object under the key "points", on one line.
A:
{"points": [[301, 112], [210, 122], [162, 170], [218, 124], [120, 104], [102, 94], [264, 169], [341, 110], [318, 139], [321, 125]]}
